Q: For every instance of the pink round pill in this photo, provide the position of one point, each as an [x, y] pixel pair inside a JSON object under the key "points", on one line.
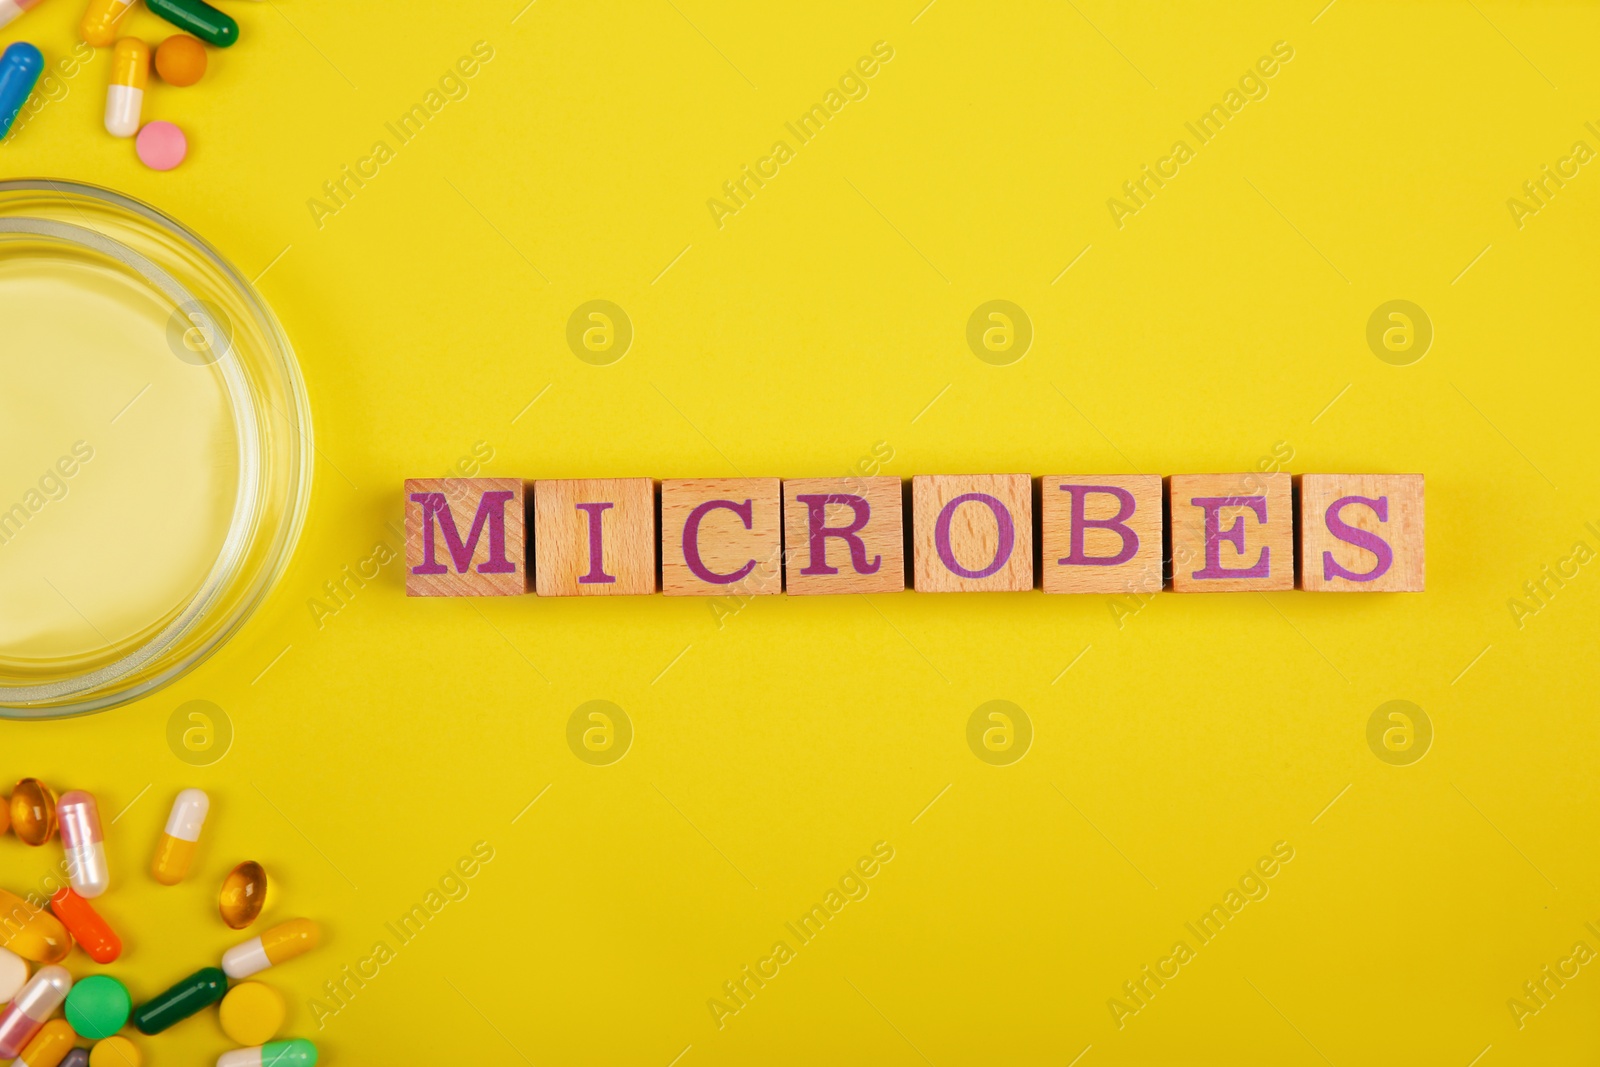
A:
{"points": [[161, 145]]}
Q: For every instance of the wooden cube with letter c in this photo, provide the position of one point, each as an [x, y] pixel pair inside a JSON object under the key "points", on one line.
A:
{"points": [[1361, 533], [466, 537], [843, 535], [721, 536], [972, 533], [1232, 533]]}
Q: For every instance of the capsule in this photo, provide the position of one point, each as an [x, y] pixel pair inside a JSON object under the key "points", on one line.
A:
{"points": [[198, 18], [11, 10], [33, 804], [100, 21], [13, 974], [78, 1057], [92, 933], [130, 69], [296, 1053], [244, 893], [49, 1046], [84, 842], [183, 830], [201, 989], [5, 815], [36, 1003], [283, 942], [30, 932]]}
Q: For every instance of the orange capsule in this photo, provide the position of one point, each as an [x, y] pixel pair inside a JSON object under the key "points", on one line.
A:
{"points": [[33, 812], [244, 893], [92, 933], [5, 815]]}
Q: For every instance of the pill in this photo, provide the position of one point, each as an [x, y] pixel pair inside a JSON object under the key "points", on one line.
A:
{"points": [[252, 1013], [92, 933], [83, 840], [13, 974], [201, 989], [180, 59], [115, 1052], [244, 892], [37, 1001], [30, 932], [13, 9], [98, 1006], [78, 1057], [100, 21], [176, 848], [33, 804], [49, 1046], [296, 1053], [283, 942], [20, 66], [161, 145], [130, 69], [199, 18], [5, 814]]}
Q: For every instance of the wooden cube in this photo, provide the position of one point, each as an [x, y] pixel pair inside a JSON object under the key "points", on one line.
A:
{"points": [[466, 537], [1102, 533], [721, 536], [594, 536], [1361, 533], [972, 533], [1232, 533], [843, 535]]}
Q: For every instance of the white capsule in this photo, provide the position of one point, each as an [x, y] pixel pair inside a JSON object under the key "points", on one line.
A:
{"points": [[79, 819], [130, 69]]}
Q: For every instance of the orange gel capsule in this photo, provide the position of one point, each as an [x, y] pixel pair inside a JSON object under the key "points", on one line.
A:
{"points": [[30, 932], [33, 812], [5, 815], [92, 933], [244, 893]]}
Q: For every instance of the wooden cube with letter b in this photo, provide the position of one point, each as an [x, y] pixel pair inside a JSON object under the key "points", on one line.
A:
{"points": [[466, 537], [594, 536], [1232, 533], [1102, 533], [843, 535], [972, 533], [1361, 533], [721, 536]]}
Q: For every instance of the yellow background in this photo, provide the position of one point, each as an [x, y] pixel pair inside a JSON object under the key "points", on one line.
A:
{"points": [[1216, 326]]}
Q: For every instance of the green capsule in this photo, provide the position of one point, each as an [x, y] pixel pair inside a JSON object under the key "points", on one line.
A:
{"points": [[199, 18], [202, 988]]}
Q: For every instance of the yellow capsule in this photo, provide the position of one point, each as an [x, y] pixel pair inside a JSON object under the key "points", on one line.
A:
{"points": [[5, 815], [33, 812], [130, 70], [49, 1046], [30, 932], [244, 893], [283, 942], [99, 25], [177, 845]]}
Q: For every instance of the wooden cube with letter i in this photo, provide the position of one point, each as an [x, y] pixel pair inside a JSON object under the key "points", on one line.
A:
{"points": [[594, 536]]}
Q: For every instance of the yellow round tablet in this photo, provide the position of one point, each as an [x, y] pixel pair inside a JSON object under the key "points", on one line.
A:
{"points": [[252, 1013], [115, 1052]]}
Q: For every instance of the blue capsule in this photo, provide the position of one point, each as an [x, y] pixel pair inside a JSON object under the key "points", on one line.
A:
{"points": [[20, 67]]}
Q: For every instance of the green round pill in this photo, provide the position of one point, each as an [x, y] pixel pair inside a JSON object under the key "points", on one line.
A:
{"points": [[98, 1006]]}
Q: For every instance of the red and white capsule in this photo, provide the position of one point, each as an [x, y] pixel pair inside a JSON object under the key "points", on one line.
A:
{"points": [[32, 1008], [81, 836]]}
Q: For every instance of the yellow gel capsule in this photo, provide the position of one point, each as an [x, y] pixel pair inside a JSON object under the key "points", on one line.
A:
{"points": [[99, 25], [30, 932], [283, 942], [33, 812], [176, 848], [49, 1046], [244, 893]]}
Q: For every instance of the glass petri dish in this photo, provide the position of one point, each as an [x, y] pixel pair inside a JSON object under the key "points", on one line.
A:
{"points": [[155, 449]]}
